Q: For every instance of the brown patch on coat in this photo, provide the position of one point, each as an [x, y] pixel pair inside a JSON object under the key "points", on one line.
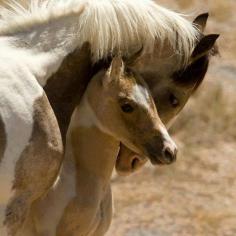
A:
{"points": [[37, 167], [3, 141], [66, 87]]}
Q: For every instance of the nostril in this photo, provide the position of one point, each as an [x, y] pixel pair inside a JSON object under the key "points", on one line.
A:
{"points": [[169, 156], [134, 163]]}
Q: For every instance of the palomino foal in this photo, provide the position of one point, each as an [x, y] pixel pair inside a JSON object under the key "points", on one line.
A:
{"points": [[116, 107]]}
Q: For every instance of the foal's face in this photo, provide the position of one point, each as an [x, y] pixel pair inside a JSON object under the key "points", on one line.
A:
{"points": [[126, 110]]}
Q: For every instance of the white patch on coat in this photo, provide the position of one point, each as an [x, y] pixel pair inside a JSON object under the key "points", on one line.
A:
{"points": [[141, 96], [89, 118], [41, 65], [19, 91]]}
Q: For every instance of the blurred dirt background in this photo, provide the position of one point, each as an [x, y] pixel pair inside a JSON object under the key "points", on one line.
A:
{"points": [[197, 195]]}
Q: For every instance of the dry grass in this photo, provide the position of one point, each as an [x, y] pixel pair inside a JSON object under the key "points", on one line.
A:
{"points": [[210, 117], [183, 4], [221, 9]]}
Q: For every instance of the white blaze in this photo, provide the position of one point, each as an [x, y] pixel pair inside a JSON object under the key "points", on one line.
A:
{"points": [[141, 95]]}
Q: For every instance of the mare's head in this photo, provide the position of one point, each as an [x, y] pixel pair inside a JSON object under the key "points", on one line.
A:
{"points": [[125, 109], [171, 84]]}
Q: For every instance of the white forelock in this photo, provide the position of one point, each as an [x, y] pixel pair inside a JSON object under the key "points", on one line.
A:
{"points": [[109, 25]]}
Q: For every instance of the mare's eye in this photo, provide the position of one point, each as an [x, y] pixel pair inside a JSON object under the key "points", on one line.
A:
{"points": [[127, 108], [173, 100]]}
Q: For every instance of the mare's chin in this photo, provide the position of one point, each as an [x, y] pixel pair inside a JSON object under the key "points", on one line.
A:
{"points": [[155, 162], [128, 161]]}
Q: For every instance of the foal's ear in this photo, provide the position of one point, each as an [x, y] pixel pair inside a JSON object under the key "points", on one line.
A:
{"points": [[204, 46], [115, 70], [201, 21]]}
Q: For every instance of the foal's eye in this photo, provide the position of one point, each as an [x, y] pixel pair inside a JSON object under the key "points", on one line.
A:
{"points": [[173, 100], [127, 108]]}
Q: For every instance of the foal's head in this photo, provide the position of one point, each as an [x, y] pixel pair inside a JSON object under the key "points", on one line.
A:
{"points": [[125, 110]]}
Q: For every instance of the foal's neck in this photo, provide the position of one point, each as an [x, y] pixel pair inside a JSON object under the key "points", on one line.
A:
{"points": [[94, 151]]}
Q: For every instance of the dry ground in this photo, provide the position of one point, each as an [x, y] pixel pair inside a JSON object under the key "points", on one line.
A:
{"points": [[197, 195]]}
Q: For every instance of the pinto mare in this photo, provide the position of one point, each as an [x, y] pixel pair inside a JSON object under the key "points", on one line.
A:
{"points": [[117, 107], [36, 45]]}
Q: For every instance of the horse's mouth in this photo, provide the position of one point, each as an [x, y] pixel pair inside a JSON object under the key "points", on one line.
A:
{"points": [[135, 162], [128, 161]]}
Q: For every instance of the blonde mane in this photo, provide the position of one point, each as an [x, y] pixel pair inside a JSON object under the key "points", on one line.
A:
{"points": [[109, 25]]}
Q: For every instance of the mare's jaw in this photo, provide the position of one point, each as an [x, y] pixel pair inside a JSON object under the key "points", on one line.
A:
{"points": [[128, 161]]}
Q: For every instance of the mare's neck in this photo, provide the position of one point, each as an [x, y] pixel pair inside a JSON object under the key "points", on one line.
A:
{"points": [[53, 55], [42, 46], [65, 88]]}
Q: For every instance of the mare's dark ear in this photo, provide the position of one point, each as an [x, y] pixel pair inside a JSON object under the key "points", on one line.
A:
{"points": [[133, 58], [201, 21], [204, 46]]}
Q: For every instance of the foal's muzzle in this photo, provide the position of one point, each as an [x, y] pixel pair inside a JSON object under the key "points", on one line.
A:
{"points": [[169, 154], [161, 150]]}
